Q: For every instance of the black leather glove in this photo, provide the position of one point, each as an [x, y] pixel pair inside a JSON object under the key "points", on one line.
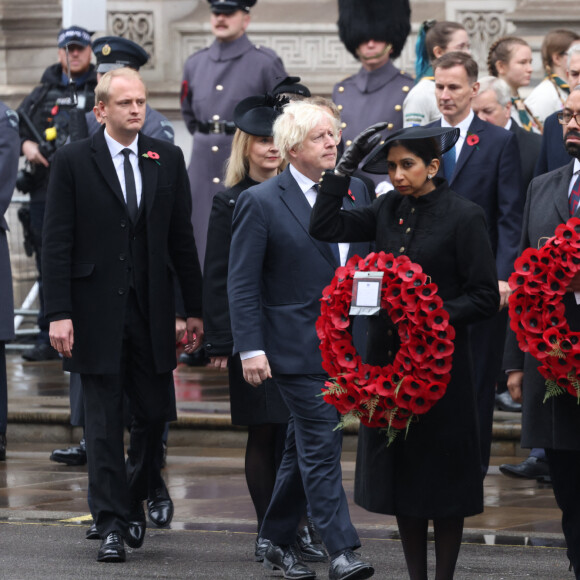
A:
{"points": [[360, 147]]}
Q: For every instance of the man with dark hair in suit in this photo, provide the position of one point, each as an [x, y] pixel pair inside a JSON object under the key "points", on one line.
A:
{"points": [[553, 154], [484, 167], [117, 232], [553, 424], [276, 277]]}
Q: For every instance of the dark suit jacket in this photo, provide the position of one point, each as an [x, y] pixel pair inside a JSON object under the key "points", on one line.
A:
{"points": [[553, 154], [89, 242], [488, 173], [277, 273], [556, 423], [529, 144]]}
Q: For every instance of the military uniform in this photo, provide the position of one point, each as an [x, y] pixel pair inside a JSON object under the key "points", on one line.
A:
{"points": [[369, 97], [215, 79]]}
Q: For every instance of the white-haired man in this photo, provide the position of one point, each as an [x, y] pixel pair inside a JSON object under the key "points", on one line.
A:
{"points": [[276, 278]]}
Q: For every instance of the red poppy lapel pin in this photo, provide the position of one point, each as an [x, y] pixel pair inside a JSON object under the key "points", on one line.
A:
{"points": [[152, 155], [472, 139], [351, 195]]}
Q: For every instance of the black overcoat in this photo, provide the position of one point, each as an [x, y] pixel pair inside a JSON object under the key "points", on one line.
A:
{"points": [[249, 405], [88, 240], [554, 424], [435, 471]]}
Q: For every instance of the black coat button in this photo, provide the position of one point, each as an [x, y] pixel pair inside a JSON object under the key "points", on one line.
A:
{"points": [[121, 291]]}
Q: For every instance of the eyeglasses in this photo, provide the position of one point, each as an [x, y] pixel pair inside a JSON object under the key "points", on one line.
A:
{"points": [[565, 118]]}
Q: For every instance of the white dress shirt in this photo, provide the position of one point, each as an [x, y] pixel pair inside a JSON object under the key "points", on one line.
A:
{"points": [[115, 149], [463, 126]]}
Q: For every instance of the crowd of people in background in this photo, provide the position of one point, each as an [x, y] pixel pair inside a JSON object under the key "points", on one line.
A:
{"points": [[473, 167]]}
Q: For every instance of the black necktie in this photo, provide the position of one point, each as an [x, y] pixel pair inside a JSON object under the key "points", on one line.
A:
{"points": [[130, 187], [333, 247]]}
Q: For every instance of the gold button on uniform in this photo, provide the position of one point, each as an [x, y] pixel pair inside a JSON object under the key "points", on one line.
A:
{"points": [[216, 179], [349, 143], [398, 107], [390, 126], [412, 210], [219, 88], [343, 125], [341, 89], [339, 107], [215, 148], [402, 249], [405, 89], [408, 231], [216, 118]]}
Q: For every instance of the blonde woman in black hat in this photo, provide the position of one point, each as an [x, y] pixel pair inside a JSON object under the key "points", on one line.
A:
{"points": [[254, 159], [433, 472]]}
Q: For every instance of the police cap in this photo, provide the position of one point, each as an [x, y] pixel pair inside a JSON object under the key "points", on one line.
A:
{"points": [[74, 35], [230, 6], [116, 52]]}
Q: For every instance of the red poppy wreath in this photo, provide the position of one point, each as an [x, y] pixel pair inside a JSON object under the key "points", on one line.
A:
{"points": [[537, 313], [388, 397]]}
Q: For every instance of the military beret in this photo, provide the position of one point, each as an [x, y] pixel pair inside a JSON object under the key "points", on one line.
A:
{"points": [[74, 35], [229, 6], [116, 52]]}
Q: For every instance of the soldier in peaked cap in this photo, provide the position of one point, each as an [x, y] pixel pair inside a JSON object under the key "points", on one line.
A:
{"points": [[116, 52], [374, 32], [215, 79]]}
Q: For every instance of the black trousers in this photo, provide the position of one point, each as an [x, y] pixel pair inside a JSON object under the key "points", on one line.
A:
{"points": [[310, 469], [115, 487], [565, 472], [3, 390]]}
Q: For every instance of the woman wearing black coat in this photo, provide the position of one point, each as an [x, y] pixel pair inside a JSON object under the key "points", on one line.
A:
{"points": [[254, 159], [433, 472]]}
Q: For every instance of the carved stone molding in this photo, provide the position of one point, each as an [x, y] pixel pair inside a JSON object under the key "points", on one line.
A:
{"points": [[136, 26], [483, 28]]}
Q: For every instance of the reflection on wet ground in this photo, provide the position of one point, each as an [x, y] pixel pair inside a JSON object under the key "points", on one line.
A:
{"points": [[205, 475]]}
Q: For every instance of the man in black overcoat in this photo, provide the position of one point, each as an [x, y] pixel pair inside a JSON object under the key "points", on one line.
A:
{"points": [[554, 424], [117, 231]]}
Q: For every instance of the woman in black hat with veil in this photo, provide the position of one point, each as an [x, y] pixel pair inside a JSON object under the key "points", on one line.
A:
{"points": [[433, 472]]}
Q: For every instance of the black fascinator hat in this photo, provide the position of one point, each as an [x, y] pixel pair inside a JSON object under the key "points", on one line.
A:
{"points": [[256, 115], [444, 138]]}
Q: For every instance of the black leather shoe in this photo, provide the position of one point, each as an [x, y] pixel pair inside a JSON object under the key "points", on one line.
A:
{"points": [[92, 533], [308, 550], [71, 455], [504, 402], [195, 359], [39, 353], [260, 549], [2, 447], [112, 549], [137, 524], [348, 566], [531, 468], [287, 559], [160, 507]]}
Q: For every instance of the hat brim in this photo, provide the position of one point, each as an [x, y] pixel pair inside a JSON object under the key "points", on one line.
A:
{"points": [[256, 115], [105, 67], [446, 137]]}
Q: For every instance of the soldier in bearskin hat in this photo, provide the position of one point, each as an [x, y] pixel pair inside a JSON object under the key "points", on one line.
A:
{"points": [[374, 32]]}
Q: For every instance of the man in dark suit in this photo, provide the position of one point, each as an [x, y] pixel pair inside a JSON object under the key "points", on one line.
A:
{"points": [[277, 273], [554, 424], [484, 166], [117, 231], [553, 154]]}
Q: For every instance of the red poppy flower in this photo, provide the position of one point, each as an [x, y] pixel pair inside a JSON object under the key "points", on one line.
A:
{"points": [[472, 140], [54, 111], [438, 319], [409, 271], [153, 155]]}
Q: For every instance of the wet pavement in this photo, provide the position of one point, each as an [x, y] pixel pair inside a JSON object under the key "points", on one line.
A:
{"points": [[43, 510]]}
